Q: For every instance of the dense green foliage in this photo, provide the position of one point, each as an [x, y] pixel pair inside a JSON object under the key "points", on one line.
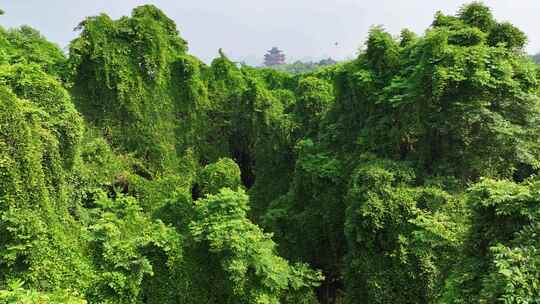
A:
{"points": [[131, 172]]}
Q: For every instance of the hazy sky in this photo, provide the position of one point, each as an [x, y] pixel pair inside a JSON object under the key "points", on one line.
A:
{"points": [[245, 29]]}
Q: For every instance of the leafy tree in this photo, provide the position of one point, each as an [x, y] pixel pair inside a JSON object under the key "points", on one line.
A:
{"points": [[508, 35], [444, 101], [252, 270], [31, 83], [17, 294], [314, 97], [501, 247], [224, 173], [402, 239], [314, 210], [120, 235], [26, 45], [123, 81], [478, 15], [38, 138]]}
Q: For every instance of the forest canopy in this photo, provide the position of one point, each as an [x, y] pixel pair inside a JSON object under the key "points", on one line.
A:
{"points": [[133, 172]]}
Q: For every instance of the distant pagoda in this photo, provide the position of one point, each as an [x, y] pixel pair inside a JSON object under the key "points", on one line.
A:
{"points": [[274, 57]]}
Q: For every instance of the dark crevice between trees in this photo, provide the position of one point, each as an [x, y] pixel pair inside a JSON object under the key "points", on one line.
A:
{"points": [[246, 164], [332, 290], [195, 192]]}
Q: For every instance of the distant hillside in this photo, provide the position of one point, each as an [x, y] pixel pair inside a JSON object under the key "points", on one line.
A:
{"points": [[300, 67]]}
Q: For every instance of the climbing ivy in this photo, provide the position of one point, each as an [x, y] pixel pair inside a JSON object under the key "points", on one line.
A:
{"points": [[133, 172]]}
